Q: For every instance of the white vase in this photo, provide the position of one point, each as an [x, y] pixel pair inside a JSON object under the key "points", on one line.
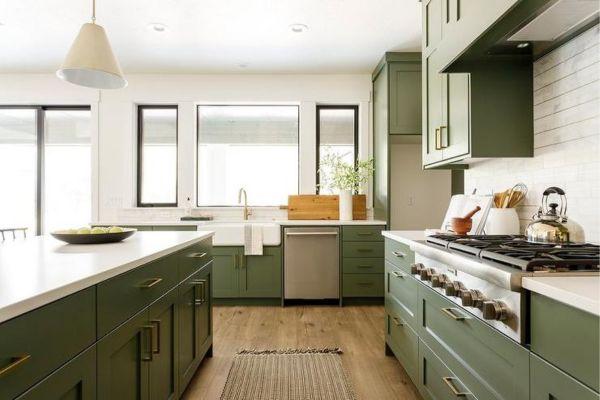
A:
{"points": [[502, 221], [345, 205]]}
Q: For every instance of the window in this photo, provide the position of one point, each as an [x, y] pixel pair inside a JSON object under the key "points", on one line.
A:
{"points": [[337, 133], [45, 167], [249, 146], [157, 156]]}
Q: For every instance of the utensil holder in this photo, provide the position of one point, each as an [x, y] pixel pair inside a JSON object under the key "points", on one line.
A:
{"points": [[502, 221]]}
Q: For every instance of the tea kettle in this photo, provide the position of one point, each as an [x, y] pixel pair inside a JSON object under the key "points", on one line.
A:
{"points": [[550, 225]]}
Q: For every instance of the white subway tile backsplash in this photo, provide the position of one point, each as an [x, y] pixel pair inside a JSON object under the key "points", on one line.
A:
{"points": [[567, 139]]}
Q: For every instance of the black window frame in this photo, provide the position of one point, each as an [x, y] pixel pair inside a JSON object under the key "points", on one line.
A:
{"points": [[239, 105], [40, 132], [318, 144], [140, 137]]}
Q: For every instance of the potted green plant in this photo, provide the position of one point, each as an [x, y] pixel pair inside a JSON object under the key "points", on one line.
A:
{"points": [[338, 174]]}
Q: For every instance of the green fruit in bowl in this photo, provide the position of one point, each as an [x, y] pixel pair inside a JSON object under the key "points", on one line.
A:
{"points": [[84, 231], [71, 231], [115, 229], [98, 230]]}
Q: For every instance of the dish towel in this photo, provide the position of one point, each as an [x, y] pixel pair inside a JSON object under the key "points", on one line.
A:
{"points": [[253, 240]]}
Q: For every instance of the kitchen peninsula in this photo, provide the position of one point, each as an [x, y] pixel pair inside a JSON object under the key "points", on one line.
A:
{"points": [[70, 315]]}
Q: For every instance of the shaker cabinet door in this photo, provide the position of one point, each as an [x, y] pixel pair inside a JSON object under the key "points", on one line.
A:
{"points": [[260, 276], [226, 261]]}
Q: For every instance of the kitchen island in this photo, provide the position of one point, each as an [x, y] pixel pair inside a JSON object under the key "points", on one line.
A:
{"points": [[72, 315]]}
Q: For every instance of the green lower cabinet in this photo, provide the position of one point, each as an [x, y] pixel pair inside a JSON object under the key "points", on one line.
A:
{"points": [[76, 380], [550, 383], [163, 316], [195, 329], [239, 276], [436, 380], [362, 285], [403, 341], [124, 358]]}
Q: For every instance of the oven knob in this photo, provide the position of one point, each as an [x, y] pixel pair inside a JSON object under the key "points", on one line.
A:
{"points": [[415, 269], [453, 288], [495, 309], [471, 298], [439, 280], [427, 273]]}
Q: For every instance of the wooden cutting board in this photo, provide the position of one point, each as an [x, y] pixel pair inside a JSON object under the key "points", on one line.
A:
{"points": [[324, 207]]}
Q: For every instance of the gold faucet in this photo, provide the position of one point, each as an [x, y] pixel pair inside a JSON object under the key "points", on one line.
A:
{"points": [[246, 211]]}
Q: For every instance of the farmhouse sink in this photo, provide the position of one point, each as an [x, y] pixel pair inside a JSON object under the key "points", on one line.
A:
{"points": [[232, 233]]}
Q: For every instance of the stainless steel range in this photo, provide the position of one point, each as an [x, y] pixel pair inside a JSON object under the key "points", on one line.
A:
{"points": [[483, 273]]}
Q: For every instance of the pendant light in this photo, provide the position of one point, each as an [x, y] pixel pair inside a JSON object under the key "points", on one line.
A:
{"points": [[90, 61]]}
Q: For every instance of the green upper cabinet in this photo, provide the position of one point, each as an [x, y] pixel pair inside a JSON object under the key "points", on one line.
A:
{"points": [[396, 111], [237, 275], [475, 109]]}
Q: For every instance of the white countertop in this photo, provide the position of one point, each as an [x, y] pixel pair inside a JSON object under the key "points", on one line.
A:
{"points": [[406, 237], [582, 292], [285, 222], [40, 270]]}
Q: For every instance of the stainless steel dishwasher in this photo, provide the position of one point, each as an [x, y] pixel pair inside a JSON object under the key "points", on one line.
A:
{"points": [[311, 263]]}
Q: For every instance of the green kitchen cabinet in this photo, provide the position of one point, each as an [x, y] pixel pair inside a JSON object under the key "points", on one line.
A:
{"points": [[124, 358], [175, 228], [550, 383], [403, 343], [76, 380], [432, 24], [240, 276], [566, 337], [163, 316]]}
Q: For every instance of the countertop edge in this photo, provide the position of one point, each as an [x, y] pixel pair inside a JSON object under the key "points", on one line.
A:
{"points": [[562, 295], [282, 222], [31, 303]]}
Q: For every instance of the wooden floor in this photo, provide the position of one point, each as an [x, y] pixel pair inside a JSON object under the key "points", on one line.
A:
{"points": [[358, 330]]}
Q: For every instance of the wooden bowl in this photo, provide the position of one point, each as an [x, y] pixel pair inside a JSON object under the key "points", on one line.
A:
{"points": [[93, 238], [461, 226]]}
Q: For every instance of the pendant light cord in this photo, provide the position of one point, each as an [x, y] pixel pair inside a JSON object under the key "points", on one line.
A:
{"points": [[93, 11]]}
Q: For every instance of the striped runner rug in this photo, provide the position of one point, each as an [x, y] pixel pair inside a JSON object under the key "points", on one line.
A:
{"points": [[292, 374]]}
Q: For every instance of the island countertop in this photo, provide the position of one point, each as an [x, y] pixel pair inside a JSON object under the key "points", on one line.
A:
{"points": [[279, 221], [40, 270], [581, 292]]}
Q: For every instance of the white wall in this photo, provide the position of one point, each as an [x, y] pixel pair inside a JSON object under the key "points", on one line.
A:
{"points": [[567, 137], [115, 116]]}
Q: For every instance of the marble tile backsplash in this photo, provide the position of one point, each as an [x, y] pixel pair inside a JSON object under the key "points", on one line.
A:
{"points": [[566, 140]]}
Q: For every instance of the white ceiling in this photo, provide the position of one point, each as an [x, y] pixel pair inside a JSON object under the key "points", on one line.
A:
{"points": [[214, 36]]}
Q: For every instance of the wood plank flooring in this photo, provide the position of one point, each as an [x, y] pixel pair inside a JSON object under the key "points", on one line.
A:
{"points": [[358, 330]]}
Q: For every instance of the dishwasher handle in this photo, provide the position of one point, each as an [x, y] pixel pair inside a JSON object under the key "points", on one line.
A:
{"points": [[332, 233]]}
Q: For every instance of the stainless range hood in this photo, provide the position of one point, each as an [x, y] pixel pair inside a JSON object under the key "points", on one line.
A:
{"points": [[558, 20]]}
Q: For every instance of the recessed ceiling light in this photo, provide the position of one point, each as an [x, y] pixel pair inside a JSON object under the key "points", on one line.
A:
{"points": [[522, 45], [298, 28], [157, 27]]}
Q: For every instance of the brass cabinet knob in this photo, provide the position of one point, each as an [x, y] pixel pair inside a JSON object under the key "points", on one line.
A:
{"points": [[495, 310]]}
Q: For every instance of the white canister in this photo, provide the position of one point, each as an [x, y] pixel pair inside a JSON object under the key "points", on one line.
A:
{"points": [[345, 205], [502, 221]]}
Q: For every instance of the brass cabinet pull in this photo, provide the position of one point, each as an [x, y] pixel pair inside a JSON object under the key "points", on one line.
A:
{"points": [[397, 321], [365, 283], [442, 145], [449, 380], [150, 283], [364, 250], [364, 233], [156, 323], [150, 349], [196, 255], [364, 266], [16, 361], [453, 313], [399, 274], [202, 284], [235, 261], [438, 139], [242, 261], [399, 254]]}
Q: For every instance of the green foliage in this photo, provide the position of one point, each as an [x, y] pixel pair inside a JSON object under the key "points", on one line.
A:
{"points": [[337, 174]]}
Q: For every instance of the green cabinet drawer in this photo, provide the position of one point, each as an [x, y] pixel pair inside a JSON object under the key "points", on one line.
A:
{"points": [[399, 254], [548, 382], [194, 257], [437, 381], [401, 289], [38, 342], [467, 344], [566, 337], [362, 233], [404, 343], [362, 249], [362, 265], [362, 285], [76, 380], [124, 295]]}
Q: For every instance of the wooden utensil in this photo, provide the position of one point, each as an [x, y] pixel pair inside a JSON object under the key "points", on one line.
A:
{"points": [[462, 225]]}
